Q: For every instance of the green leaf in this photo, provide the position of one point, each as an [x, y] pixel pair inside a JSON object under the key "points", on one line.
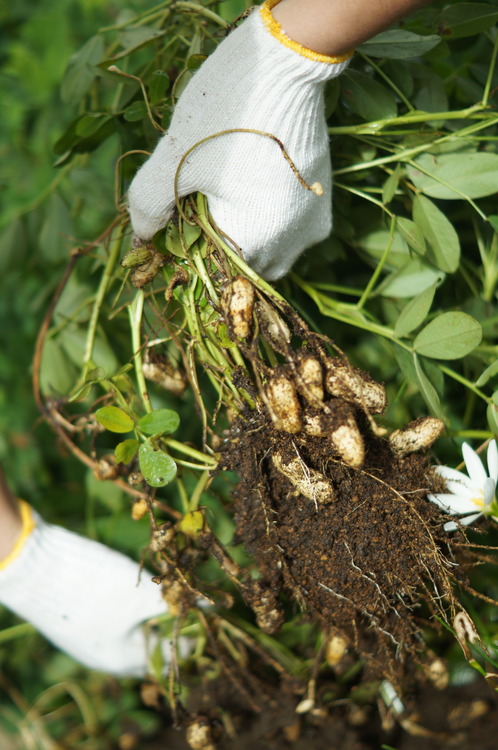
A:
{"points": [[398, 44], [431, 97], [475, 175], [172, 242], [411, 234], [492, 413], [367, 97], [157, 467], [135, 112], [415, 312], [114, 419], [158, 85], [159, 422], [444, 245], [391, 185], [427, 390], [126, 451], [194, 62], [89, 123], [57, 229], [81, 70], [449, 336], [493, 220], [411, 279], [466, 19], [487, 374], [190, 233]]}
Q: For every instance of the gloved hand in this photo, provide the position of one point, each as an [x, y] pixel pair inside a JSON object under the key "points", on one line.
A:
{"points": [[84, 597], [257, 78]]}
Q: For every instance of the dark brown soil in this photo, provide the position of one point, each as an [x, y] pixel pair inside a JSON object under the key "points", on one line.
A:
{"points": [[372, 563], [464, 718]]}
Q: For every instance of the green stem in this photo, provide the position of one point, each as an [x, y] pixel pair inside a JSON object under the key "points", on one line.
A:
{"points": [[99, 300], [473, 112], [135, 312], [199, 489], [16, 631], [410, 152], [379, 267], [209, 462], [202, 11], [489, 80], [467, 383], [386, 78]]}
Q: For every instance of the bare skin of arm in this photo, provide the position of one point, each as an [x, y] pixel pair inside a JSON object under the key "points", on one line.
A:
{"points": [[333, 27], [10, 519]]}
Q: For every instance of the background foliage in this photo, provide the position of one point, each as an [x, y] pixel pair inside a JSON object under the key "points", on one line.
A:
{"points": [[406, 285]]}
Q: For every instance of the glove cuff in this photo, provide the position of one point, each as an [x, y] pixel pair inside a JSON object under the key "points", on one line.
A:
{"points": [[28, 524], [275, 29]]}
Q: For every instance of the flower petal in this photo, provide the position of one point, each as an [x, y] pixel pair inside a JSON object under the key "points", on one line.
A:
{"points": [[457, 476], [452, 526], [489, 490], [457, 488], [470, 519], [474, 465], [452, 503], [493, 460]]}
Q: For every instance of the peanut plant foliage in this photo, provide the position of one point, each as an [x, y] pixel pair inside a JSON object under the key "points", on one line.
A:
{"points": [[135, 355]]}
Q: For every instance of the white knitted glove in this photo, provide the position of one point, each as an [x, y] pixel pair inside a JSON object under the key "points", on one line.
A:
{"points": [[84, 597], [260, 79]]}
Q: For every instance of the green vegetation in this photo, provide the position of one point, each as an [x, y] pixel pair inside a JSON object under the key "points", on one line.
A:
{"points": [[406, 286]]}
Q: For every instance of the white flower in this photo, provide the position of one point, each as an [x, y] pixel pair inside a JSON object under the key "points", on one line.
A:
{"points": [[473, 494]]}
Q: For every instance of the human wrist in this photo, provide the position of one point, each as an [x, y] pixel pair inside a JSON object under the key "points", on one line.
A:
{"points": [[282, 21]]}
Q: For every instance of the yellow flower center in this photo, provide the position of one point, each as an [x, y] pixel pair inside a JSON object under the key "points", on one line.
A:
{"points": [[479, 500]]}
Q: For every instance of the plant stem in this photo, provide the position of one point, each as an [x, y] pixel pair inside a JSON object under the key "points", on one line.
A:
{"points": [[464, 381], [209, 461], [380, 265], [99, 300], [135, 311], [489, 80]]}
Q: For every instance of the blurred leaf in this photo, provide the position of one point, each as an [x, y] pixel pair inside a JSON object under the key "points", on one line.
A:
{"points": [[367, 97], [492, 413], [125, 451], [432, 97], [397, 44], [493, 220], [192, 523], [449, 336], [135, 112], [391, 185], [466, 19], [475, 175], [412, 234], [190, 234], [439, 232], [427, 390], [105, 491], [57, 374], [172, 241], [157, 86], [194, 62], [415, 312], [409, 280], [114, 419], [159, 422], [81, 70], [157, 467], [56, 234]]}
